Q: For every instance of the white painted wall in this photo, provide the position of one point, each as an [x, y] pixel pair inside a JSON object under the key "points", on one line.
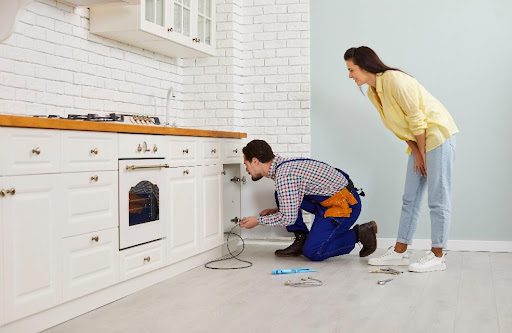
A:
{"points": [[461, 51]]}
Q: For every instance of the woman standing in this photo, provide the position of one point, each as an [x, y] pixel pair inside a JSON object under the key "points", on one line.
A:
{"points": [[419, 119]]}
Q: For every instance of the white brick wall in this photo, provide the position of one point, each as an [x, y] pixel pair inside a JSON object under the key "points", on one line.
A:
{"points": [[258, 83]]}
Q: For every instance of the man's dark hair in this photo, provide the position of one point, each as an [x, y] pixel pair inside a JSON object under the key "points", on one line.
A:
{"points": [[259, 149]]}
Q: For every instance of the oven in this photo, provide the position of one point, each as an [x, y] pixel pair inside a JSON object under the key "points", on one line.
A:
{"points": [[141, 190]]}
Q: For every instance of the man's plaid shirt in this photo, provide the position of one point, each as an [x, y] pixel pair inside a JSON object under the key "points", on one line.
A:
{"points": [[296, 179]]}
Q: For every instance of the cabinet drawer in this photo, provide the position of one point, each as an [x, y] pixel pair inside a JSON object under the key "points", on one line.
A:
{"points": [[232, 152], [89, 202], [182, 152], [90, 262], [141, 259], [141, 146], [211, 151], [88, 151], [29, 151]]}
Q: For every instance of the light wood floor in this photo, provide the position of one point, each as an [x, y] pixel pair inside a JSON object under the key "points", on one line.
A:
{"points": [[473, 295]]}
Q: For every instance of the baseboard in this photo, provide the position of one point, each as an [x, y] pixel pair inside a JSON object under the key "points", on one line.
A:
{"points": [[418, 244]]}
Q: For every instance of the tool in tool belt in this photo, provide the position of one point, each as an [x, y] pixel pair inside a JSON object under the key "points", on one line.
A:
{"points": [[387, 270]]}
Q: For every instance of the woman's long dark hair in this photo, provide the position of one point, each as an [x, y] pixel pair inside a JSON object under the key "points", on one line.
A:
{"points": [[367, 59]]}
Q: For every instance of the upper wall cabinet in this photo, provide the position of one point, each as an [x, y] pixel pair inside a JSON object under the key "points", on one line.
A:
{"points": [[177, 28]]}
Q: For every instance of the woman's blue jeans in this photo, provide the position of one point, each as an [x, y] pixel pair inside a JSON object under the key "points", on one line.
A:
{"points": [[439, 183]]}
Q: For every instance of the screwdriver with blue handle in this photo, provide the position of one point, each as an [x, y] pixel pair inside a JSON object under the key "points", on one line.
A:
{"points": [[292, 270]]}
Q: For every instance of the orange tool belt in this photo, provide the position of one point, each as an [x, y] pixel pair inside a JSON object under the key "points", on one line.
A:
{"points": [[338, 204]]}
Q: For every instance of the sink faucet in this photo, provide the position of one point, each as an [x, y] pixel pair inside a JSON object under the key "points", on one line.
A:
{"points": [[170, 93]]}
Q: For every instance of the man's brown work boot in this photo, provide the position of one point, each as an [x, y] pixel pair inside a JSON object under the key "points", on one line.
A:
{"points": [[295, 249], [367, 236]]}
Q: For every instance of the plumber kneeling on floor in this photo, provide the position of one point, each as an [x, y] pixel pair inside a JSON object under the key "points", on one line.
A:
{"points": [[318, 188]]}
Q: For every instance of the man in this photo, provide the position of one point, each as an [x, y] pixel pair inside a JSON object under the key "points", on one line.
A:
{"points": [[317, 188]]}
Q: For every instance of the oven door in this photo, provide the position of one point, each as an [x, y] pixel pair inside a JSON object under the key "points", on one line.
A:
{"points": [[141, 185]]}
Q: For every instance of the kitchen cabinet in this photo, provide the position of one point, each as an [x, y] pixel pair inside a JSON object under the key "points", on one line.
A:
{"points": [[59, 217], [29, 211], [177, 28], [88, 151], [89, 202], [183, 204], [90, 262], [141, 259], [29, 151], [211, 234]]}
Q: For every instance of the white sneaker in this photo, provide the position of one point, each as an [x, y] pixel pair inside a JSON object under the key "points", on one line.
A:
{"points": [[429, 263], [390, 258]]}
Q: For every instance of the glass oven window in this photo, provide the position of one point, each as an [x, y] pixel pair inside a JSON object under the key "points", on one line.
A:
{"points": [[143, 203]]}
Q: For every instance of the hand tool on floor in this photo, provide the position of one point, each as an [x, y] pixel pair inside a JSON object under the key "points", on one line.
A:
{"points": [[292, 270], [304, 282], [387, 270], [383, 282]]}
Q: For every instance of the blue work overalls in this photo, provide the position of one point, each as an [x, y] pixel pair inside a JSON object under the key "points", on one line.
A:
{"points": [[329, 236]]}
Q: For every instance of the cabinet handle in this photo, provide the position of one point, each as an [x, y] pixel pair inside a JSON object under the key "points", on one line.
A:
{"points": [[147, 259], [169, 29], [197, 40], [185, 151], [94, 151], [155, 148], [36, 151], [11, 191], [2, 193], [95, 238], [186, 172], [214, 151], [94, 178], [235, 151]]}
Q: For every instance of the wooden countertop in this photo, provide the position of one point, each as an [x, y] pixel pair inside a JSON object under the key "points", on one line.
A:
{"points": [[79, 125]]}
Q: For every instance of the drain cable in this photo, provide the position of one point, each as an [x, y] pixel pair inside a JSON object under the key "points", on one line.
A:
{"points": [[231, 255]]}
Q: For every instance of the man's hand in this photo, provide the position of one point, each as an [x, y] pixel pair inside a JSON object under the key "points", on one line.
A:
{"points": [[249, 222], [268, 211]]}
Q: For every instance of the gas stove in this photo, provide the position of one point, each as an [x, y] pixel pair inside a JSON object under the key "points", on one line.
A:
{"points": [[112, 117]]}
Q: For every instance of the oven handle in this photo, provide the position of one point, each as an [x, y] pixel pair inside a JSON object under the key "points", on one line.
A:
{"points": [[154, 166]]}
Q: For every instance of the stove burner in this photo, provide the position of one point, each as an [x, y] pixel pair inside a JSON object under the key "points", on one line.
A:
{"points": [[95, 117]]}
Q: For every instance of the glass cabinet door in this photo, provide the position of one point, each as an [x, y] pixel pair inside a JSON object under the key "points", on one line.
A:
{"points": [[181, 17], [204, 21], [155, 11]]}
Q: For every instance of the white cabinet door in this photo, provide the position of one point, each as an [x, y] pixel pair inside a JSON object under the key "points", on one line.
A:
{"points": [[141, 259], [154, 16], [28, 151], [89, 202], [88, 151], [205, 23], [181, 18], [184, 207], [90, 262], [30, 214], [232, 151], [211, 207]]}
